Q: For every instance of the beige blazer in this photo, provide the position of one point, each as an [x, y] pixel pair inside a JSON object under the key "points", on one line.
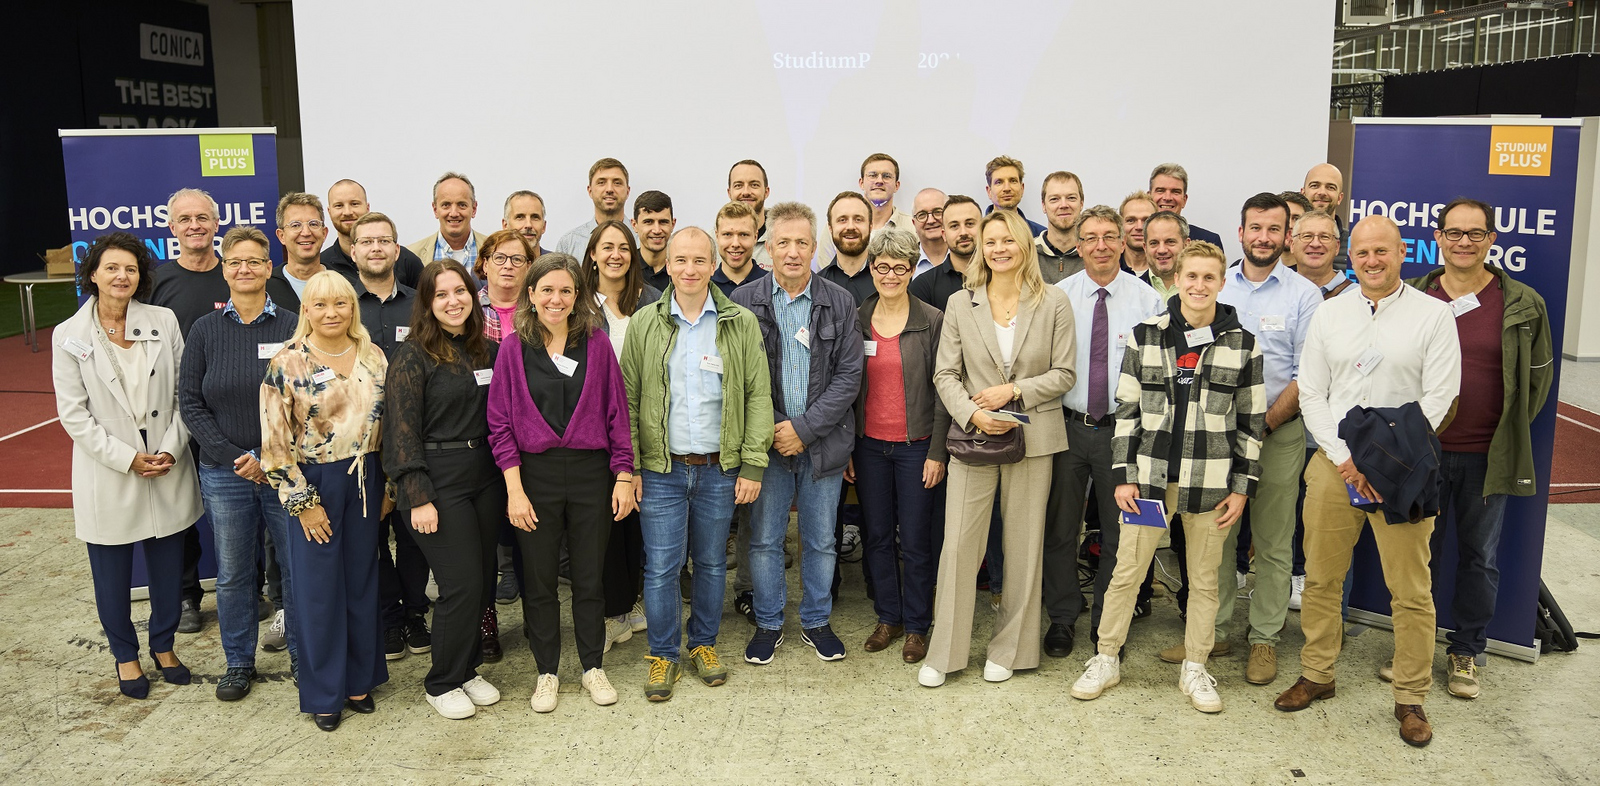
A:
{"points": [[111, 505], [1042, 364], [424, 248]]}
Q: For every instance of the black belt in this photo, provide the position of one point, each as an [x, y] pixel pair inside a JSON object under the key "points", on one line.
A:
{"points": [[698, 459], [1078, 417], [471, 443]]}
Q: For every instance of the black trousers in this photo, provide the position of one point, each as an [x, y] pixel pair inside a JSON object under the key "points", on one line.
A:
{"points": [[624, 567], [111, 568], [571, 495], [1087, 457], [403, 575], [470, 496]]}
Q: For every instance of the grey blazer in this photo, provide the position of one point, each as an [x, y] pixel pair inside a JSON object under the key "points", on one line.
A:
{"points": [[1042, 364]]}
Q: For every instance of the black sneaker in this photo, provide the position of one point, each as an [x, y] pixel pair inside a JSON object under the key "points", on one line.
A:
{"points": [[394, 643], [507, 591], [745, 603], [236, 683], [1141, 609], [823, 640], [418, 640]]}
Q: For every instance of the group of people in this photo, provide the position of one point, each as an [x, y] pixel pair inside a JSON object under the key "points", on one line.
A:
{"points": [[607, 412]]}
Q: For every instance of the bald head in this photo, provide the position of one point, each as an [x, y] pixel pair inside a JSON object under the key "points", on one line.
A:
{"points": [[1376, 251], [1324, 186]]}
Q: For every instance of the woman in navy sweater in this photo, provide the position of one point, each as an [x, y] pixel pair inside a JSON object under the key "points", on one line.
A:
{"points": [[558, 423]]}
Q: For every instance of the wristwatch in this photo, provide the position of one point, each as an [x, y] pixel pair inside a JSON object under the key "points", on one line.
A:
{"points": [[1016, 391]]}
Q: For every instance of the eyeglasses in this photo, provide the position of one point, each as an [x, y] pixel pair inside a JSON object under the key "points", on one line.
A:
{"points": [[924, 215], [884, 269], [254, 263], [514, 260], [296, 226], [1094, 240], [1475, 235], [183, 221], [889, 177], [1310, 237], [369, 242]]}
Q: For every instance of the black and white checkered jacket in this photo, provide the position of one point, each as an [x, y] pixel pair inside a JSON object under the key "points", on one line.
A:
{"points": [[1223, 425]]}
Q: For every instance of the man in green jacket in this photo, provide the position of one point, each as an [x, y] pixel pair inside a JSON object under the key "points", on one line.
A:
{"points": [[1507, 368], [700, 407]]}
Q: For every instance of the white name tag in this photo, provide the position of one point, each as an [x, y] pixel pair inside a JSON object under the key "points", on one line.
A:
{"points": [[485, 375], [400, 332], [1198, 337], [1272, 322], [266, 351], [322, 376], [870, 347], [711, 363], [77, 348], [564, 364], [803, 335], [1368, 361], [1465, 303]]}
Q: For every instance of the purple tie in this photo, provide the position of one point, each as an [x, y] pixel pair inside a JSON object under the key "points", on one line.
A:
{"points": [[1099, 358]]}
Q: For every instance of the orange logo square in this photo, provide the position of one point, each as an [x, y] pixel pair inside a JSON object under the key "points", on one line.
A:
{"points": [[1520, 150]]}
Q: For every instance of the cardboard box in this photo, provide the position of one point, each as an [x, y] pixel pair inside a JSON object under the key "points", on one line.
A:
{"points": [[58, 262]]}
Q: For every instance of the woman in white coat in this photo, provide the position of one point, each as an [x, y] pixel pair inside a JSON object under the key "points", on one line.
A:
{"points": [[115, 368]]}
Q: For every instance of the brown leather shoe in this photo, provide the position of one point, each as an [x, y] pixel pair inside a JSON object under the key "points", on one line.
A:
{"points": [[1179, 654], [1263, 666], [1414, 726], [915, 648], [1300, 695], [881, 636]]}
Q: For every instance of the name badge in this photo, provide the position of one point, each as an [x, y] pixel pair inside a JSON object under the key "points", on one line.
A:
{"points": [[77, 348], [266, 351], [1198, 337], [1272, 322], [400, 332], [870, 347], [711, 363], [803, 335], [484, 376], [564, 364], [1465, 303], [1368, 361], [322, 376]]}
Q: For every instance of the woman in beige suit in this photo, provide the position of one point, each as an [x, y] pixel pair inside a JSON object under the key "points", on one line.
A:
{"points": [[115, 366], [1007, 345]]}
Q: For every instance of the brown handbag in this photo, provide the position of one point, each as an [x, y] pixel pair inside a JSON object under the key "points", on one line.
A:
{"points": [[976, 447]]}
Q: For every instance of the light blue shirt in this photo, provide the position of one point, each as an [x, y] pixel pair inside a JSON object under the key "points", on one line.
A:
{"points": [[1129, 302], [577, 239], [467, 256], [793, 315], [694, 414], [1278, 313], [268, 310]]}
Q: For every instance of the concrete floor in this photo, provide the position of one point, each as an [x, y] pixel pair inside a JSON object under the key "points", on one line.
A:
{"points": [[860, 720]]}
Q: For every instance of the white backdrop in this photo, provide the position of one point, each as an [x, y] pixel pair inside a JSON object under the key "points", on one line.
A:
{"points": [[521, 94]]}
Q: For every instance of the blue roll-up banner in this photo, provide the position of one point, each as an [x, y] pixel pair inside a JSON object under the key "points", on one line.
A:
{"points": [[1408, 169], [120, 179]]}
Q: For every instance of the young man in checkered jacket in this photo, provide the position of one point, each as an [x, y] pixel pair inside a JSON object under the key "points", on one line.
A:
{"points": [[1191, 414]]}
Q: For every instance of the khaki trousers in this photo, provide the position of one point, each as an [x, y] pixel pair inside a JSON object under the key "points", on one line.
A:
{"points": [[1024, 487], [1134, 552], [1332, 527], [1272, 534]]}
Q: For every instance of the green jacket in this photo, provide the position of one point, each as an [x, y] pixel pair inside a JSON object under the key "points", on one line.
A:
{"points": [[746, 387], [1528, 371]]}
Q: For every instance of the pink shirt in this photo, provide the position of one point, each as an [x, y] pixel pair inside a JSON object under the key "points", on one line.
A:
{"points": [[886, 391]]}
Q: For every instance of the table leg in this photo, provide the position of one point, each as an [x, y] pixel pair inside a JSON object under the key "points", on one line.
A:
{"points": [[30, 328]]}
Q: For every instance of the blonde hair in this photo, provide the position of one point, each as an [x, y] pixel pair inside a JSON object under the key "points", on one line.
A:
{"points": [[1199, 249], [329, 284], [1029, 280]]}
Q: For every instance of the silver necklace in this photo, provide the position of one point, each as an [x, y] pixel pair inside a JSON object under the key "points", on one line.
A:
{"points": [[331, 354]]}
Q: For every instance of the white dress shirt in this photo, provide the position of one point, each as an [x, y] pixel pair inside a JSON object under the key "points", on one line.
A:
{"points": [[1129, 302]]}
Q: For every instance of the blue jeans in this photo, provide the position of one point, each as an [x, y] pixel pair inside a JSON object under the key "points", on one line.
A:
{"points": [[240, 512], [818, 500], [686, 510], [896, 507], [1476, 524]]}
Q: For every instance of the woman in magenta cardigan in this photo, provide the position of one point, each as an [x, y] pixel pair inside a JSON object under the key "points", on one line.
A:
{"points": [[558, 426]]}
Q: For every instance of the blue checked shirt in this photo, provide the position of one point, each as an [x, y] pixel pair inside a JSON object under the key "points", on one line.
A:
{"points": [[467, 256], [270, 310], [694, 419], [793, 314]]}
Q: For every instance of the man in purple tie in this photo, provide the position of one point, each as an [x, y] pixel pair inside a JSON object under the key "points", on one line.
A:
{"points": [[1108, 302]]}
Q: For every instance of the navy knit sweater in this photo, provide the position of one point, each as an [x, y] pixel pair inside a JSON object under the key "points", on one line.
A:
{"points": [[219, 381]]}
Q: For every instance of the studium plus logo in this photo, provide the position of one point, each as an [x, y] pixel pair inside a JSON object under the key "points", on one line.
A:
{"points": [[227, 155], [1520, 150]]}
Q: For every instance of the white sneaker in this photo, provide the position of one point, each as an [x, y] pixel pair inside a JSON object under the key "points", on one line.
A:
{"points": [[544, 693], [617, 631], [277, 638], [599, 687], [432, 588], [481, 692], [850, 545], [930, 677], [1243, 577], [1200, 687], [1100, 673], [994, 672], [636, 617], [1297, 587], [453, 705]]}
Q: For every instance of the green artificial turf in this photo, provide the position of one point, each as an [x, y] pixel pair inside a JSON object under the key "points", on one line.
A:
{"points": [[52, 304]]}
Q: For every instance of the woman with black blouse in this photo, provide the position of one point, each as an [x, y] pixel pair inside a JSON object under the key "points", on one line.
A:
{"points": [[558, 423], [436, 450]]}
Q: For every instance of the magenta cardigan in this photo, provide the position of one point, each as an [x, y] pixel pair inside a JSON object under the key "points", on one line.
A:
{"points": [[599, 422]]}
